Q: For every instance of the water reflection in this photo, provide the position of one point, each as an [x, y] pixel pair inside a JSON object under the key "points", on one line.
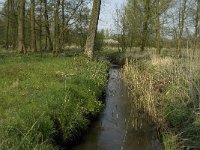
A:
{"points": [[120, 126]]}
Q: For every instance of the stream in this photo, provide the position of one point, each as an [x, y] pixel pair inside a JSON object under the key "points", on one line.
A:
{"points": [[120, 126]]}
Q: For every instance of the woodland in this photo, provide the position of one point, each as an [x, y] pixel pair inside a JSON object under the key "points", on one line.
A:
{"points": [[54, 64]]}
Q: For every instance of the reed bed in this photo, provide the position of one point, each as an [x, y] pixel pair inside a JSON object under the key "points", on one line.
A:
{"points": [[168, 89]]}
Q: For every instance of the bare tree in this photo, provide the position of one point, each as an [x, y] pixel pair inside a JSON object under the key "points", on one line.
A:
{"points": [[182, 12], [158, 40]]}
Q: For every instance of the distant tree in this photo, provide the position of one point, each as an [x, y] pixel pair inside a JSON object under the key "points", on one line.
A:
{"points": [[181, 24], [62, 34], [33, 38], [43, 24], [196, 24], [56, 43], [47, 26], [89, 49], [7, 23], [21, 18], [40, 25], [9, 19], [147, 13], [158, 38], [121, 24], [99, 40]]}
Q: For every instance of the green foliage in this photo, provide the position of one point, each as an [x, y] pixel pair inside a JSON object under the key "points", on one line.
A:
{"points": [[42, 95], [192, 134], [177, 114], [99, 41], [112, 55], [170, 141]]}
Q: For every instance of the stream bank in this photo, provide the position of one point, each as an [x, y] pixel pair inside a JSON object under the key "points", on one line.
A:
{"points": [[120, 126]]}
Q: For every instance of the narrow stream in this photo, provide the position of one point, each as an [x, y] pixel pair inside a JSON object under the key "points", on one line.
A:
{"points": [[120, 127]]}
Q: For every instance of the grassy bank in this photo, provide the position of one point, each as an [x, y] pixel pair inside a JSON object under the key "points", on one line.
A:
{"points": [[167, 89], [47, 100], [114, 56]]}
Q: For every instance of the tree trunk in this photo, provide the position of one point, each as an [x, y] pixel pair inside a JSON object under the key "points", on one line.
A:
{"points": [[89, 49], [33, 39], [196, 26], [56, 45], [47, 25], [145, 25], [158, 41], [14, 30], [40, 27], [63, 23], [21, 15], [181, 26], [7, 24]]}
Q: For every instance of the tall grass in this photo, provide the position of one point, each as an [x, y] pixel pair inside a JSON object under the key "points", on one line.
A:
{"points": [[46, 101], [168, 89]]}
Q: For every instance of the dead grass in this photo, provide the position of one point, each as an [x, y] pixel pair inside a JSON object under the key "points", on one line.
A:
{"points": [[167, 88]]}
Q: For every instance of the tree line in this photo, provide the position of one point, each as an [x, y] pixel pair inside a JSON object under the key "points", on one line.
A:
{"points": [[159, 23], [49, 25]]}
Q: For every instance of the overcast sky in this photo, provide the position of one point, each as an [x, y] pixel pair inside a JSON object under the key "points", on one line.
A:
{"points": [[107, 13]]}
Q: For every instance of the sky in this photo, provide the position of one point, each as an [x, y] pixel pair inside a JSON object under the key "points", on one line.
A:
{"points": [[108, 9], [106, 20]]}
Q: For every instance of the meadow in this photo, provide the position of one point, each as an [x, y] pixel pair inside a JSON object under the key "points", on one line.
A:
{"points": [[47, 102]]}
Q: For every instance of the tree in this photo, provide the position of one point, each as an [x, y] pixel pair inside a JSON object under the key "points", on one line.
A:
{"points": [[56, 44], [182, 12], [89, 49], [196, 24], [47, 27], [63, 22], [121, 28], [21, 16], [33, 38], [145, 24], [158, 40], [13, 20], [7, 23], [40, 26], [140, 14]]}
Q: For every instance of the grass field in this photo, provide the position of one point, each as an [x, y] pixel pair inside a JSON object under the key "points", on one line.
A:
{"points": [[168, 89], [46, 101]]}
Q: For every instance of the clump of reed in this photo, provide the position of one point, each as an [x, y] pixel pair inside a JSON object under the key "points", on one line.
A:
{"points": [[168, 89]]}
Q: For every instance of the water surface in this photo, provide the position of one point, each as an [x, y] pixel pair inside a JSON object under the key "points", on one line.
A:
{"points": [[120, 126]]}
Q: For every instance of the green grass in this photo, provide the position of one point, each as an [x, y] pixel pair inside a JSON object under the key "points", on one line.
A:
{"points": [[170, 141], [167, 88], [112, 55], [47, 98]]}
